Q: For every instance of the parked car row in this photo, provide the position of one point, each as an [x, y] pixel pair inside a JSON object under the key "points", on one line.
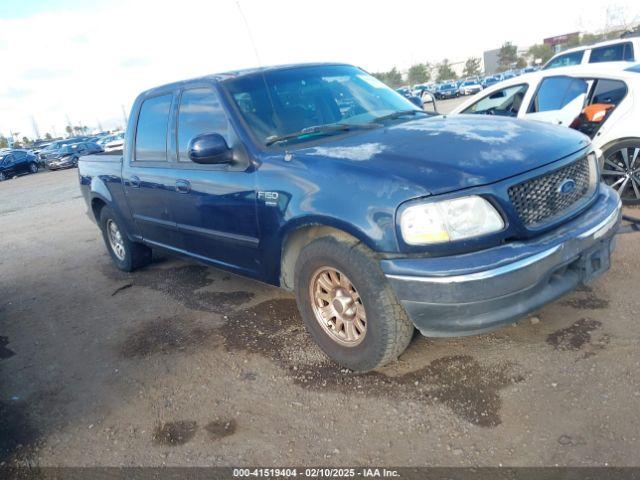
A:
{"points": [[56, 154]]}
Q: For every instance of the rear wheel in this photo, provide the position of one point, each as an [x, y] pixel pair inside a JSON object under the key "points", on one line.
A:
{"points": [[126, 255], [347, 305], [621, 170]]}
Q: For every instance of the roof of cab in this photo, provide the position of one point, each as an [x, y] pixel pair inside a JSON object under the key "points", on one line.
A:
{"points": [[219, 77]]}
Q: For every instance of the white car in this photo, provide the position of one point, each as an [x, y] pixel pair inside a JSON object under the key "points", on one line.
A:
{"points": [[602, 101], [469, 87], [115, 143], [622, 49]]}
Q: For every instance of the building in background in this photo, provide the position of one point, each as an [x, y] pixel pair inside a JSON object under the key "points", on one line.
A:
{"points": [[491, 61], [559, 41]]}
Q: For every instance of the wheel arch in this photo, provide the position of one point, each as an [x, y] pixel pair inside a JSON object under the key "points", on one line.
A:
{"points": [[300, 235], [97, 204], [614, 142]]}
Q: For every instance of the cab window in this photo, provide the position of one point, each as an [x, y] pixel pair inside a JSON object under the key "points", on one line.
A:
{"points": [[151, 131], [555, 93], [504, 102], [200, 112]]}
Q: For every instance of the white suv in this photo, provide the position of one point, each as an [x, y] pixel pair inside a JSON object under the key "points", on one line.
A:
{"points": [[602, 101], [623, 49]]}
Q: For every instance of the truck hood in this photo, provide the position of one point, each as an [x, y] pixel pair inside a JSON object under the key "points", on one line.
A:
{"points": [[446, 153]]}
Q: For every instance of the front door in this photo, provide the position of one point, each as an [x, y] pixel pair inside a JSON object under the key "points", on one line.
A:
{"points": [[214, 206]]}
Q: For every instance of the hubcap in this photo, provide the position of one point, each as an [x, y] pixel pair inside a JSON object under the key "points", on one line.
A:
{"points": [[338, 307], [622, 172], [115, 239]]}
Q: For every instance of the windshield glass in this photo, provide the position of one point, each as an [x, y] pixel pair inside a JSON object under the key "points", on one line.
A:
{"points": [[283, 102]]}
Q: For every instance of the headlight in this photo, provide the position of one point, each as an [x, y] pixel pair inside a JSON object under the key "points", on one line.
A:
{"points": [[449, 220]]}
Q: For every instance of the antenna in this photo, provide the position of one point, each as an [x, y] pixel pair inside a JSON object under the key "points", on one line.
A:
{"points": [[255, 51]]}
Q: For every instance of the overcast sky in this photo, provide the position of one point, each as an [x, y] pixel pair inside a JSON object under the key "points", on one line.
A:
{"points": [[85, 59]]}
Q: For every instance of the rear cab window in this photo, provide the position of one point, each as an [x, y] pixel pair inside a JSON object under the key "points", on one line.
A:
{"points": [[151, 129]]}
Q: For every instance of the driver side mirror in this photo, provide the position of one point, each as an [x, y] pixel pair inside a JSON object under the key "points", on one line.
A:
{"points": [[209, 148]]}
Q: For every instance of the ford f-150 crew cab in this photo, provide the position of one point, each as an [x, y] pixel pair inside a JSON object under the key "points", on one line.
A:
{"points": [[380, 216]]}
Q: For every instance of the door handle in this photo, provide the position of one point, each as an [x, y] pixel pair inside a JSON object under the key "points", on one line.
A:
{"points": [[134, 181], [183, 186]]}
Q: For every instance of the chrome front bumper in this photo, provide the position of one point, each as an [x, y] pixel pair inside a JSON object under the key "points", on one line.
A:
{"points": [[480, 291]]}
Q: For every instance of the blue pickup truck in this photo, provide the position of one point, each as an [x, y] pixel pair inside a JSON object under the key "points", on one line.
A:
{"points": [[380, 216]]}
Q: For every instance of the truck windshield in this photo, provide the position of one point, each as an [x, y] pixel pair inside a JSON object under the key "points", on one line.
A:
{"points": [[280, 103]]}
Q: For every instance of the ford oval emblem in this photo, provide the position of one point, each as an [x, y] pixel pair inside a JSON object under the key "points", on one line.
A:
{"points": [[566, 186]]}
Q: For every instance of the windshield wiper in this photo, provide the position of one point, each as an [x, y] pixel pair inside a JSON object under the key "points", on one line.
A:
{"points": [[316, 130], [398, 114]]}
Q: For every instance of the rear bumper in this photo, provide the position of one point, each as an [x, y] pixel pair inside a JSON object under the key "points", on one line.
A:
{"points": [[480, 291]]}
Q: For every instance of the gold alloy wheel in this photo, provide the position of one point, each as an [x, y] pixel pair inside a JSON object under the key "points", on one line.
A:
{"points": [[337, 306]]}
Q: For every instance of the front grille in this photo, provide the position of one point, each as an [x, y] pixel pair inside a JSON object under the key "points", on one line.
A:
{"points": [[540, 200]]}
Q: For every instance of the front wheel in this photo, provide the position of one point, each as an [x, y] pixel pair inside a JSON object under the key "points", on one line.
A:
{"points": [[347, 305], [126, 255], [621, 170], [33, 167], [3, 176]]}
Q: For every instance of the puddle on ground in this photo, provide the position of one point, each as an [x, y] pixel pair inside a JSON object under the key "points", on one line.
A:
{"points": [[574, 337], [165, 336], [16, 430], [4, 351], [469, 389], [218, 429], [175, 433], [584, 298], [182, 284]]}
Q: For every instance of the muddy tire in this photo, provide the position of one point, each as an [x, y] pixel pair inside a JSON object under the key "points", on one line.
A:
{"points": [[347, 305], [126, 255]]}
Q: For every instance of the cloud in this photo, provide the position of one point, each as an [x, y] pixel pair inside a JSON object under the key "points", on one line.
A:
{"points": [[45, 73], [134, 62], [88, 59]]}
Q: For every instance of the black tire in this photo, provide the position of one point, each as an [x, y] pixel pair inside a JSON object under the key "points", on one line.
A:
{"points": [[388, 328], [615, 165], [33, 167], [135, 256], [3, 176]]}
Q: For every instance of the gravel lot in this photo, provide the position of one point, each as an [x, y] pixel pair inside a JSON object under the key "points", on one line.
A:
{"points": [[180, 364]]}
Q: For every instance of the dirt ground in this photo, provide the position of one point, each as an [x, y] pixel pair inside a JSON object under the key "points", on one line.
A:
{"points": [[181, 364]]}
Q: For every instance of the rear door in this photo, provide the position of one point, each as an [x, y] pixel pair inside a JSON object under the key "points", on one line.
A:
{"points": [[213, 205], [148, 178]]}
